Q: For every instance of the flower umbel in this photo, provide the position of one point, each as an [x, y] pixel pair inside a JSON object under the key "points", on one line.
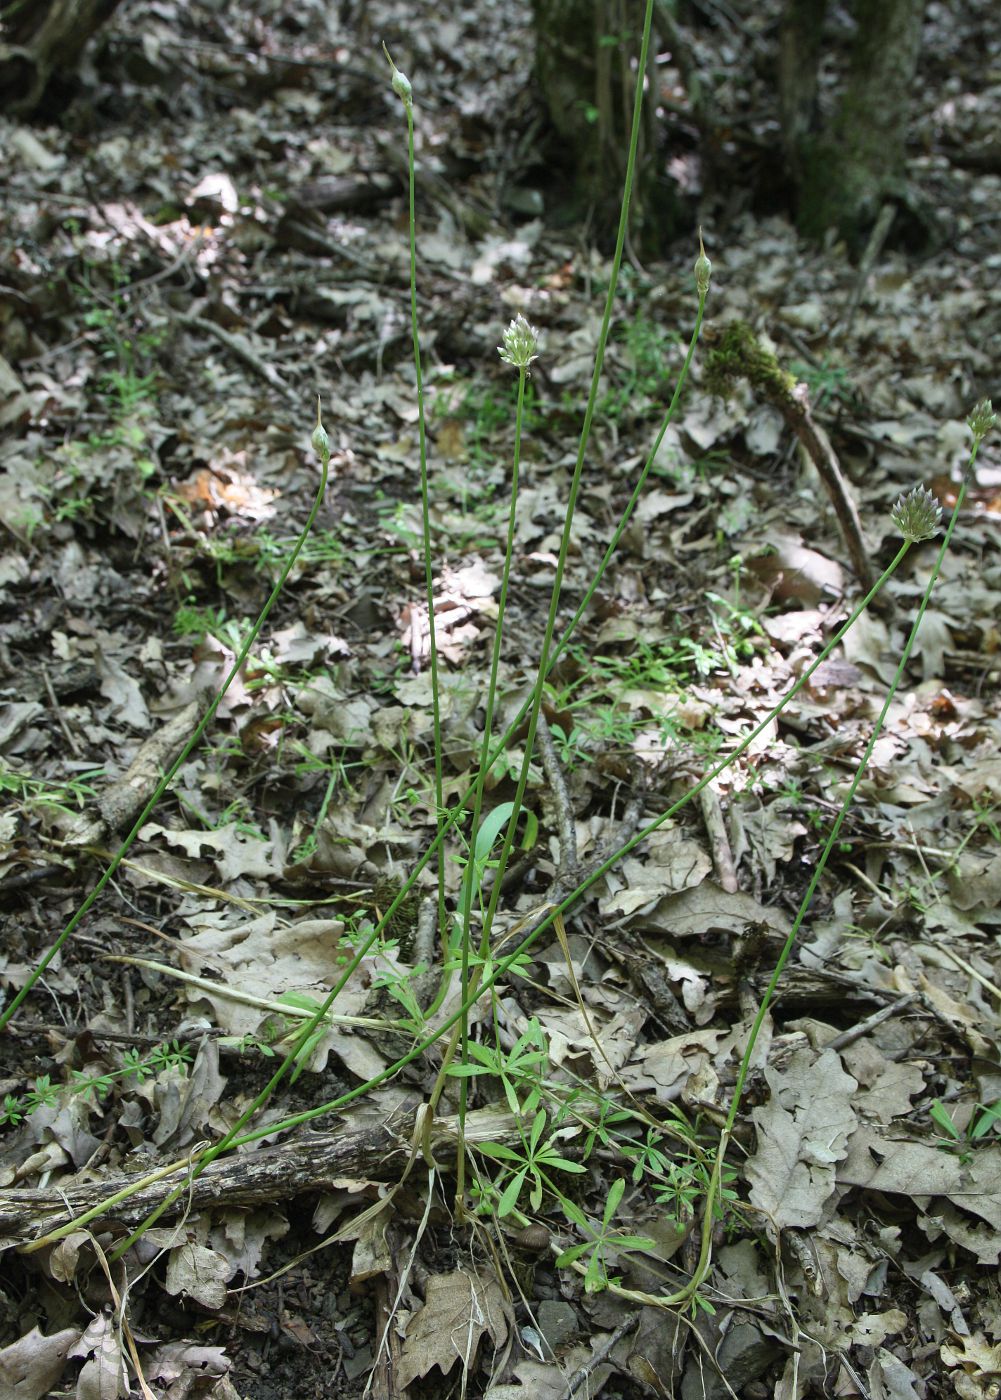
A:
{"points": [[520, 343], [982, 420], [917, 515]]}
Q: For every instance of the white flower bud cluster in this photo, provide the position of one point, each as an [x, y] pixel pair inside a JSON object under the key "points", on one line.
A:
{"points": [[982, 420], [917, 515], [520, 343]]}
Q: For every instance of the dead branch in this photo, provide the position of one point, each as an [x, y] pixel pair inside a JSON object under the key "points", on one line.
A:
{"points": [[307, 1162]]}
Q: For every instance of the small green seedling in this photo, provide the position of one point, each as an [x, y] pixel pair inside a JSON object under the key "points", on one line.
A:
{"points": [[984, 1123], [45, 1094]]}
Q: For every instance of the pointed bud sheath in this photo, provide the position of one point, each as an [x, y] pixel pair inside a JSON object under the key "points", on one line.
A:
{"points": [[917, 515], [703, 269], [520, 343], [982, 420], [401, 83], [320, 441]]}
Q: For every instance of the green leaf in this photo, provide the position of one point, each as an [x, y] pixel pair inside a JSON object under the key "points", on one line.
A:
{"points": [[574, 1252], [511, 1192], [613, 1199], [490, 829], [939, 1114], [594, 1277], [574, 1213], [550, 1159], [986, 1120], [300, 1000], [499, 1152]]}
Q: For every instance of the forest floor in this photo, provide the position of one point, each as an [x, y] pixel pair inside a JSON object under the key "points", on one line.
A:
{"points": [[216, 233]]}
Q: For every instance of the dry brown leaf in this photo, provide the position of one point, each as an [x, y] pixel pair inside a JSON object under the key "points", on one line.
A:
{"points": [[458, 1310], [802, 1132]]}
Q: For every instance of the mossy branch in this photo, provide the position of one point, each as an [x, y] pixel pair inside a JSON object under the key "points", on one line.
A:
{"points": [[738, 354]]}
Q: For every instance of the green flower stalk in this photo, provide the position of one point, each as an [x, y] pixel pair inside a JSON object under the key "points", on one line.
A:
{"points": [[546, 652], [519, 350], [403, 90]]}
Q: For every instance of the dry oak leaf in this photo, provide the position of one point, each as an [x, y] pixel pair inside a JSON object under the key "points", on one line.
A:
{"points": [[803, 1133], [459, 1308]]}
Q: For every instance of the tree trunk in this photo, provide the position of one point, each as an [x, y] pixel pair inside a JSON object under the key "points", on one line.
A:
{"points": [[586, 53], [846, 169], [43, 40], [799, 56]]}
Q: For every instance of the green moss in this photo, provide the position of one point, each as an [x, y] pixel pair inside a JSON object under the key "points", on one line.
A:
{"points": [[739, 355]]}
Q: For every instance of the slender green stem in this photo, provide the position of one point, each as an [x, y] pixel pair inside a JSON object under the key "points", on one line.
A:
{"points": [[484, 768], [624, 519], [455, 815], [554, 603], [561, 645], [181, 759], [439, 799]]}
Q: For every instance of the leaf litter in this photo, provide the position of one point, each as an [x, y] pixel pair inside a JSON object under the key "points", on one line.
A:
{"points": [[863, 1220]]}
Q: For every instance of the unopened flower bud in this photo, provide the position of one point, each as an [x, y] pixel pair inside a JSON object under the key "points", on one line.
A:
{"points": [[320, 441], [703, 269], [520, 343], [917, 515], [401, 83], [982, 420]]}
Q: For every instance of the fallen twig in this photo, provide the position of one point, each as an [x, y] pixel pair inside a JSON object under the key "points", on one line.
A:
{"points": [[307, 1162]]}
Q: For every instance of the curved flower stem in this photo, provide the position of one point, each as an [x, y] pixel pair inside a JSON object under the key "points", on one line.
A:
{"points": [[182, 757]]}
